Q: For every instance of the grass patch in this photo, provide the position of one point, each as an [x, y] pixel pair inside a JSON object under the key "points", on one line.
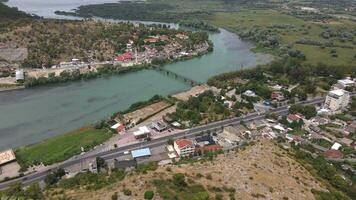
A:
{"points": [[61, 147], [168, 190]]}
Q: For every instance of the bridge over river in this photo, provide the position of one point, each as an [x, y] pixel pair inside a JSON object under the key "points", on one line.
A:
{"points": [[176, 76]]}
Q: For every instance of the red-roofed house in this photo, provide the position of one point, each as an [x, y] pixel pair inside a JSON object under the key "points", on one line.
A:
{"points": [[276, 95], [293, 117], [335, 154], [124, 57], [150, 40], [184, 147], [208, 148]]}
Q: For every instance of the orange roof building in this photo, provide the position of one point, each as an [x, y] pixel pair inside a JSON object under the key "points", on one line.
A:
{"points": [[184, 147]]}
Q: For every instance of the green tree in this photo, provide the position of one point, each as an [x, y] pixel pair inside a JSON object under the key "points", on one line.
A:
{"points": [[15, 190], [34, 192], [179, 180], [148, 194]]}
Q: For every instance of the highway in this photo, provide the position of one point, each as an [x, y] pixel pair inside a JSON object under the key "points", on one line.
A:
{"points": [[107, 155]]}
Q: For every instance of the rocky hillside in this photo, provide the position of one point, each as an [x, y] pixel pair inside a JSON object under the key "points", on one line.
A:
{"points": [[262, 170]]}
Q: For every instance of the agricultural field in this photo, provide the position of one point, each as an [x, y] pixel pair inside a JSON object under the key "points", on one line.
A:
{"points": [[61, 147], [318, 41]]}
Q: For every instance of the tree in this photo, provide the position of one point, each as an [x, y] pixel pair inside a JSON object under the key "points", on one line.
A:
{"points": [[34, 192], [51, 179], [179, 180], [100, 163], [149, 194], [15, 190]]}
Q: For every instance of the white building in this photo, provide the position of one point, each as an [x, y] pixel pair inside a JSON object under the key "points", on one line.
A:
{"points": [[344, 83], [184, 147], [250, 93], [142, 132], [337, 100]]}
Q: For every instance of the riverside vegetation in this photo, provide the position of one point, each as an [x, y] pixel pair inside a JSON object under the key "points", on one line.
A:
{"points": [[281, 28]]}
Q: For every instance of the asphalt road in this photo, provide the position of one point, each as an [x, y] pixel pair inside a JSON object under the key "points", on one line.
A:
{"points": [[38, 176]]}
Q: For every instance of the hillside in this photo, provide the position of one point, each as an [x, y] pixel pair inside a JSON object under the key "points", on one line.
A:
{"points": [[7, 13], [261, 171]]}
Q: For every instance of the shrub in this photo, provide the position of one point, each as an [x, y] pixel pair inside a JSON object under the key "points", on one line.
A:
{"points": [[114, 196], [149, 194], [127, 192]]}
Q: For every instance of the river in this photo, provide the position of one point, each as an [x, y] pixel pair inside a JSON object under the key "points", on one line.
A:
{"points": [[32, 115]]}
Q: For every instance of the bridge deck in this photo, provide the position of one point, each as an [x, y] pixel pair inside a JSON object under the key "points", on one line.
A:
{"points": [[177, 76]]}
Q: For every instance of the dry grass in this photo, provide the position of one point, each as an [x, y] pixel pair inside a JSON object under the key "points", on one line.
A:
{"points": [[260, 171]]}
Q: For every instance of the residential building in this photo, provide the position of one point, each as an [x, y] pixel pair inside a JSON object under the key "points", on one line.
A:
{"points": [[159, 126], [250, 93], [184, 147], [124, 57], [344, 83], [337, 100], [278, 96], [333, 154], [142, 132], [293, 118], [206, 144]]}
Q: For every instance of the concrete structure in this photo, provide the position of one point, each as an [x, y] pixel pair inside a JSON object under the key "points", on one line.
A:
{"points": [[250, 93], [344, 83], [337, 100], [20, 76], [336, 146], [184, 147], [159, 126], [142, 132], [204, 144], [83, 166]]}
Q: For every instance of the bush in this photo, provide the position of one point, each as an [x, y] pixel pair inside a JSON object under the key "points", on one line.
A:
{"points": [[127, 192], [149, 194], [114, 196]]}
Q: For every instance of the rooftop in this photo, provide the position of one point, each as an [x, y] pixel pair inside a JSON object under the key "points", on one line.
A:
{"points": [[7, 156], [140, 153], [183, 143], [338, 92]]}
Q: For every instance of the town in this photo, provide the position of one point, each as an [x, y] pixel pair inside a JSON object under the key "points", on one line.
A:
{"points": [[162, 45], [322, 127]]}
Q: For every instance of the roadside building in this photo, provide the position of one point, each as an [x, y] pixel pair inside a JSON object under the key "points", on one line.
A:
{"points": [[239, 131], [337, 100], [206, 144], [184, 147], [344, 83], [142, 132], [159, 126], [141, 153], [85, 165], [118, 127]]}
